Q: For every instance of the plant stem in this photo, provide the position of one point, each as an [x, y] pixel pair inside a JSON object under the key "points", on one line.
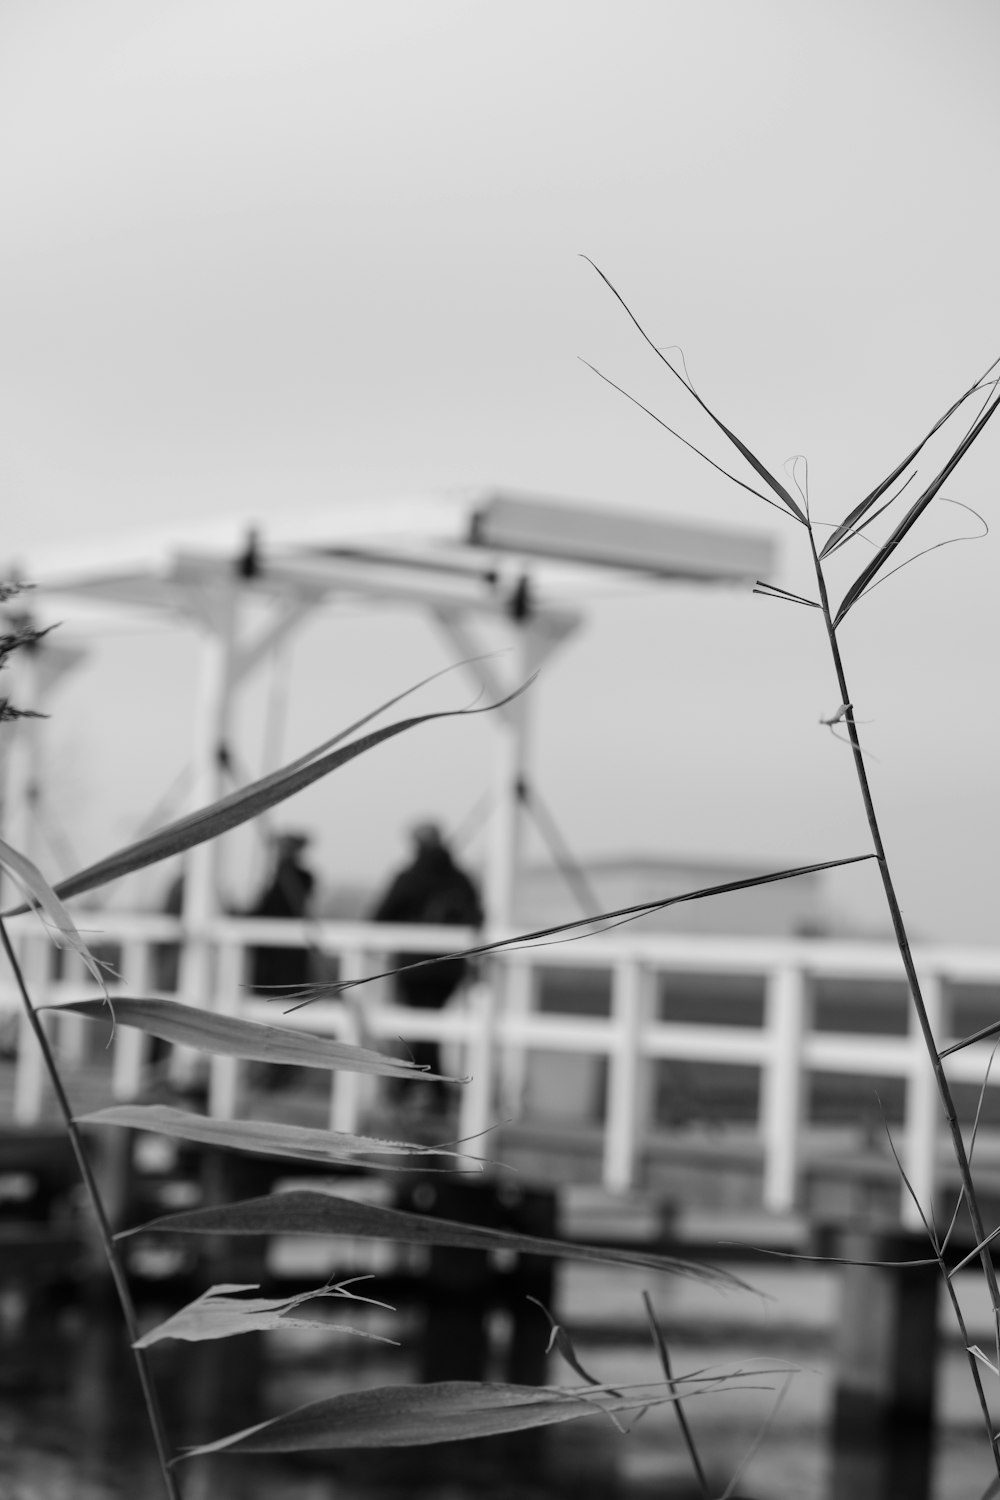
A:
{"points": [[913, 981], [681, 1414], [104, 1228]]}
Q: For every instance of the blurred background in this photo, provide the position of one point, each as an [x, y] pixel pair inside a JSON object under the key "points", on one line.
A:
{"points": [[268, 265], [265, 259]]}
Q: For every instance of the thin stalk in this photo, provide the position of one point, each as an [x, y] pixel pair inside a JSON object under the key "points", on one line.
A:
{"points": [[104, 1228], [686, 1433], [909, 968]]}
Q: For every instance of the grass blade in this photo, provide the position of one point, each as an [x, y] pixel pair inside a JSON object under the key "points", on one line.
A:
{"points": [[859, 531], [560, 1341], [948, 541], [765, 1427], [972, 1142], [416, 1415], [41, 896], [832, 1260], [681, 438], [218, 1314], [976, 1036], [264, 1136], [772, 591], [240, 806], [751, 458], [664, 1356], [229, 1036], [928, 1224], [614, 918], [975, 1253], [307, 1212], [849, 522], [915, 511]]}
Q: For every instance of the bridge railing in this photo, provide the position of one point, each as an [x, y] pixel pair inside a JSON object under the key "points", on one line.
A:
{"points": [[518, 1020]]}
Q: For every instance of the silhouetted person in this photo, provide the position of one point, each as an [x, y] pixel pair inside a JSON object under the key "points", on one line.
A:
{"points": [[167, 956], [431, 888], [287, 894]]}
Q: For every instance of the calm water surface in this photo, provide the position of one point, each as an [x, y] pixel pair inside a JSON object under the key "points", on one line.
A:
{"points": [[72, 1426]]}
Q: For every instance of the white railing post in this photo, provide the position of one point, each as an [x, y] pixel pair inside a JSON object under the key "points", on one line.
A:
{"points": [[30, 1075], [475, 1110], [922, 1105], [219, 608], [518, 983], [783, 1084], [72, 1032], [347, 1090], [628, 1075], [131, 1045], [224, 1072]]}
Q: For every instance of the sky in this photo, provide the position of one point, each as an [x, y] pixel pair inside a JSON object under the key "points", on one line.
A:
{"points": [[261, 256]]}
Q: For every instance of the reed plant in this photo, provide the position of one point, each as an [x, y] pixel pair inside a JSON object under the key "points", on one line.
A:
{"points": [[888, 499], [401, 1415]]}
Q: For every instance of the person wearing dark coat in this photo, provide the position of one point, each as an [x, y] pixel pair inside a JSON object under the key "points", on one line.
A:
{"points": [[431, 888], [167, 956], [287, 894]]}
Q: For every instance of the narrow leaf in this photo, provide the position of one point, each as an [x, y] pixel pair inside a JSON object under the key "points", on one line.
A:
{"points": [[973, 1137], [765, 1427], [948, 541], [416, 1415], [927, 1223], [308, 1212], [229, 1036], [970, 1151], [830, 1260], [754, 462], [615, 918], [976, 1253], [772, 591], [984, 1359], [681, 438], [663, 1352], [868, 521], [876, 494], [218, 1314], [977, 1036], [248, 802], [43, 898], [917, 509], [263, 1136], [560, 1341]]}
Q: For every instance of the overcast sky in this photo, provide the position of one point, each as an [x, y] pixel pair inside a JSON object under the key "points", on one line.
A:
{"points": [[258, 255]]}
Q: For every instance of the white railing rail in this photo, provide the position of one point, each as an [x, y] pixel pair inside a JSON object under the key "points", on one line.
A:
{"points": [[495, 1026]]}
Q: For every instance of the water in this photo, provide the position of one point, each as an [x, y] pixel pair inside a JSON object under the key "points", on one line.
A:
{"points": [[72, 1426]]}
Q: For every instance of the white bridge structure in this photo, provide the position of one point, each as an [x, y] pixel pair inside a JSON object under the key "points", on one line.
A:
{"points": [[604, 1075], [501, 1035]]}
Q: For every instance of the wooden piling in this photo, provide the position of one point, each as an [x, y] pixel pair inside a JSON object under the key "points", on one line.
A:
{"points": [[885, 1341]]}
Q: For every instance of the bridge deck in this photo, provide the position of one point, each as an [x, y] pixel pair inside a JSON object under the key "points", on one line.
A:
{"points": [[719, 1167]]}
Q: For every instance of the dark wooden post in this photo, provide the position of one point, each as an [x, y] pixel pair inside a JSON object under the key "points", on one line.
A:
{"points": [[461, 1286], [885, 1342]]}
